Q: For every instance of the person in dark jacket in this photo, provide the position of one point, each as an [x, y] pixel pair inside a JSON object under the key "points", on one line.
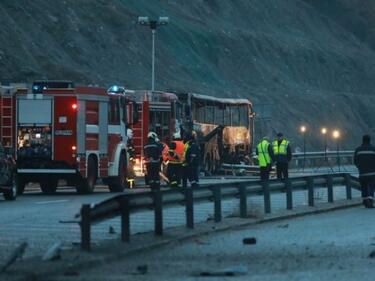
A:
{"points": [[191, 161], [153, 154], [364, 159], [282, 155]]}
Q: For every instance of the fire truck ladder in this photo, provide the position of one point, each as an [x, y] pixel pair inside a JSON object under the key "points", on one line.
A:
{"points": [[138, 137], [6, 120]]}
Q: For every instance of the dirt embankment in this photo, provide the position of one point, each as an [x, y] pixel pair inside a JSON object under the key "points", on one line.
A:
{"points": [[313, 62]]}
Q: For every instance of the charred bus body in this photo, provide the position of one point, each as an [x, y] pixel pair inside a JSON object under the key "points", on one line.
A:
{"points": [[224, 128]]}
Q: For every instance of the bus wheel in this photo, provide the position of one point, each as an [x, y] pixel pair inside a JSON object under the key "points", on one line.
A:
{"points": [[20, 183], [119, 183], [49, 186], [86, 186]]}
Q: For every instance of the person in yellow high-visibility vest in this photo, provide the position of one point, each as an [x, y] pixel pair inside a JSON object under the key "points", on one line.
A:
{"points": [[282, 155], [265, 156]]}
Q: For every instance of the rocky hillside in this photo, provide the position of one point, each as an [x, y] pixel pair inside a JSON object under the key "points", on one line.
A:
{"points": [[312, 61]]}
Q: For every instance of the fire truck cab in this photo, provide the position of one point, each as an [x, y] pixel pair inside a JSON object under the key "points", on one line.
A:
{"points": [[60, 131]]}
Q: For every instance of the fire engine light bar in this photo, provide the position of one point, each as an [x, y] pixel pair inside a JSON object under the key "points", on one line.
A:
{"points": [[46, 171]]}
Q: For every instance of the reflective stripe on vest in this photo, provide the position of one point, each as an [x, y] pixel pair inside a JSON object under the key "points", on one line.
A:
{"points": [[280, 149], [263, 155]]}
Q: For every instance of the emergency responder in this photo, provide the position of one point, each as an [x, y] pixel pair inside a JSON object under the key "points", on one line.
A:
{"points": [[153, 154], [265, 156], [191, 161], [131, 151], [175, 154], [282, 155], [364, 159]]}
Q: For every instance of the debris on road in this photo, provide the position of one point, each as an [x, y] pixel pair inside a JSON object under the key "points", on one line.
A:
{"points": [[372, 254], [230, 272], [17, 253], [142, 269], [111, 230], [201, 242], [53, 253], [283, 225], [249, 241]]}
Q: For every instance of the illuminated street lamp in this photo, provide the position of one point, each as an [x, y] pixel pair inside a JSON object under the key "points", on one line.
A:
{"points": [[153, 24], [324, 133], [336, 137], [303, 131]]}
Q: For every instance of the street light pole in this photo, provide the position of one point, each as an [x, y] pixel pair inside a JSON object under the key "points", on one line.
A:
{"points": [[153, 24], [153, 61], [303, 131], [336, 136]]}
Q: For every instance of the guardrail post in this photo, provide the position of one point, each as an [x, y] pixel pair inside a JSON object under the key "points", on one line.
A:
{"points": [[289, 194], [330, 188], [85, 227], [243, 200], [158, 212], [125, 219], [310, 188], [348, 184], [189, 207], [267, 196], [217, 203]]}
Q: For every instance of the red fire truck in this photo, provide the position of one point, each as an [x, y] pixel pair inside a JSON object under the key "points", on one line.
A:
{"points": [[155, 111], [59, 131]]}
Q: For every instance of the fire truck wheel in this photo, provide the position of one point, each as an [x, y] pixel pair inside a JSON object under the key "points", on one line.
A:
{"points": [[20, 183], [120, 182], [49, 186], [11, 193], [92, 174]]}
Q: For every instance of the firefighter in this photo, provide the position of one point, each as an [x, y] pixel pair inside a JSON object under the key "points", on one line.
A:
{"points": [[153, 154], [282, 155], [191, 161], [131, 151], [364, 159], [265, 156], [175, 154]]}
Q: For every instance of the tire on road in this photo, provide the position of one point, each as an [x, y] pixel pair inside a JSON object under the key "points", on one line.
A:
{"points": [[49, 186], [119, 183], [87, 185]]}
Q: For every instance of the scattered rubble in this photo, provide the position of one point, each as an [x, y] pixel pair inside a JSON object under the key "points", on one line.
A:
{"points": [[16, 254], [53, 253]]}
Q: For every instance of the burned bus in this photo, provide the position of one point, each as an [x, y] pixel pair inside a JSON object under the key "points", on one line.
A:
{"points": [[224, 128]]}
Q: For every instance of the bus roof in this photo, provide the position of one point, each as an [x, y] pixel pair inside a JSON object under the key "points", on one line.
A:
{"points": [[220, 100]]}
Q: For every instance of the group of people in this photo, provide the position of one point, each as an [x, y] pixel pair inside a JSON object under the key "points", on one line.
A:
{"points": [[278, 152], [181, 155]]}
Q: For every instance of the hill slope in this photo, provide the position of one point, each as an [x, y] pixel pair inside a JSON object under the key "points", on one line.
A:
{"points": [[306, 58]]}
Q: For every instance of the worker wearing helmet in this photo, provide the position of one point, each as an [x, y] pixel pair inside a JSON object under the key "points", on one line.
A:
{"points": [[265, 156], [175, 159], [191, 161], [153, 154]]}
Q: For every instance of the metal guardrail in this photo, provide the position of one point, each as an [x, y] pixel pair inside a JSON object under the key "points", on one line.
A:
{"points": [[123, 205], [299, 158]]}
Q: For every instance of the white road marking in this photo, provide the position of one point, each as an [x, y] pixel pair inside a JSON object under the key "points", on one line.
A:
{"points": [[48, 202]]}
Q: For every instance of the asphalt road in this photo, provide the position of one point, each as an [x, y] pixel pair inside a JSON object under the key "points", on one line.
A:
{"points": [[40, 219], [36, 217], [330, 246]]}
